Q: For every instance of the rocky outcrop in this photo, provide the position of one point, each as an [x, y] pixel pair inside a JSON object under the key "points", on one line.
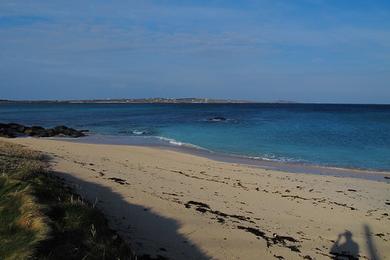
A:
{"points": [[13, 130], [217, 119]]}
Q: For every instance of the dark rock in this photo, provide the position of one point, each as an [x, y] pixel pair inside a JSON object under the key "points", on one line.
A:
{"points": [[217, 119], [67, 131], [17, 127], [14, 130], [50, 132], [37, 131], [11, 130], [6, 132]]}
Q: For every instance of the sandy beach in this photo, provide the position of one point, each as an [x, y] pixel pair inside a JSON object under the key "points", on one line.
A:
{"points": [[182, 206]]}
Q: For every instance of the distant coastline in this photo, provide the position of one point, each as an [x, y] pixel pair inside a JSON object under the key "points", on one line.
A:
{"points": [[172, 101], [134, 100], [144, 101]]}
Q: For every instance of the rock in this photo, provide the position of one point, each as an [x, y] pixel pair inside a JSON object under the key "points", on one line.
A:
{"points": [[50, 132], [14, 130], [67, 131], [37, 131], [217, 119], [11, 130], [6, 132], [17, 127]]}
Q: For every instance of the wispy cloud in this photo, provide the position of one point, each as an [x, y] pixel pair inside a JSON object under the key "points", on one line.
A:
{"points": [[125, 41], [15, 21]]}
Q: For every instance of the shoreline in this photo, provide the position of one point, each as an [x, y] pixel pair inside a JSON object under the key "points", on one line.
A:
{"points": [[291, 167], [183, 206]]}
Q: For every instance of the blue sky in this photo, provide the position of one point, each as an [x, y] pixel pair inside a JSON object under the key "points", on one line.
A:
{"points": [[266, 50]]}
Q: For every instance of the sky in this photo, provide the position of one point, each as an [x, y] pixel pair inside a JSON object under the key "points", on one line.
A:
{"points": [[266, 50]]}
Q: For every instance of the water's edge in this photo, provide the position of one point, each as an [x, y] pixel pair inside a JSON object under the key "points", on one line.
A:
{"points": [[291, 167]]}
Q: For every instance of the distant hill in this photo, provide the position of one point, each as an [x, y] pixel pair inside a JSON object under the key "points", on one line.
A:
{"points": [[136, 101]]}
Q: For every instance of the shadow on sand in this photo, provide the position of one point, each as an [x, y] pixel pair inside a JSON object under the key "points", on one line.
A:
{"points": [[151, 236], [349, 249], [371, 248]]}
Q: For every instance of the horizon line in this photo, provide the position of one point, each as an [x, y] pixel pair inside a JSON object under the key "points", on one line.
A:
{"points": [[183, 100]]}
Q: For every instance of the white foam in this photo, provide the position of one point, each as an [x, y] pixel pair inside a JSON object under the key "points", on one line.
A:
{"points": [[138, 132], [272, 158], [178, 143]]}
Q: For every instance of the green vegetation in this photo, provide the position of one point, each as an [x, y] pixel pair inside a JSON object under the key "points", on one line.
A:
{"points": [[40, 218]]}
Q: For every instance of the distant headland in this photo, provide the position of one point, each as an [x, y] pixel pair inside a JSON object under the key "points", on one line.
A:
{"points": [[144, 101]]}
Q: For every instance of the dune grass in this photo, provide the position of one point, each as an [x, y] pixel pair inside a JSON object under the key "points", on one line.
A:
{"points": [[41, 218]]}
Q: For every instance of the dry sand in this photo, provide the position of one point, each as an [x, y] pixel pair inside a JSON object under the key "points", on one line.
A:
{"points": [[186, 207]]}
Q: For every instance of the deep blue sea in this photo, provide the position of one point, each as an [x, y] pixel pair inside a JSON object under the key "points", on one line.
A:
{"points": [[350, 136]]}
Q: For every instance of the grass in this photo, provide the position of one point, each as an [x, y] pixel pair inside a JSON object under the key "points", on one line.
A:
{"points": [[41, 218]]}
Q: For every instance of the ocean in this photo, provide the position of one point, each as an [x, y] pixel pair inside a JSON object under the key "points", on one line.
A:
{"points": [[346, 136]]}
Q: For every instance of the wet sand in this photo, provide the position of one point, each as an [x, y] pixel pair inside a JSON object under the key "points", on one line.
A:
{"points": [[292, 167], [184, 206]]}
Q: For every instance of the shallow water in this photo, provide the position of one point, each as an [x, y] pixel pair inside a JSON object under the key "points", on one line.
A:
{"points": [[349, 136]]}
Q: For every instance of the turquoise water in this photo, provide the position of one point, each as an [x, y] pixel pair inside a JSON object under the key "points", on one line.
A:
{"points": [[351, 136]]}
